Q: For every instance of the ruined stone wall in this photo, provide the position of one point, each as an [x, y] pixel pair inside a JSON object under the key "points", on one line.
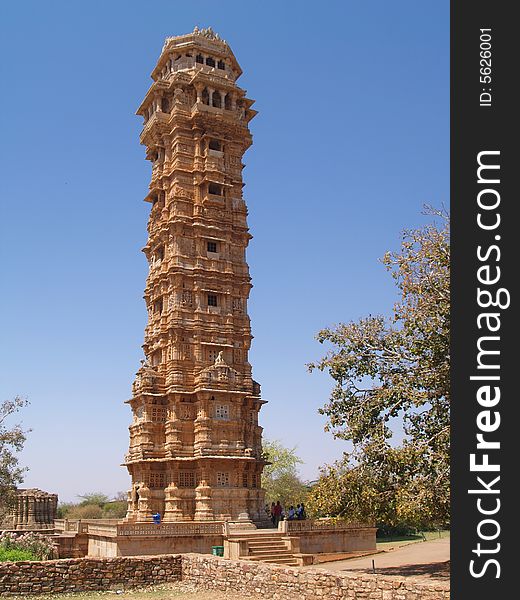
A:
{"points": [[81, 574], [210, 573], [293, 583]]}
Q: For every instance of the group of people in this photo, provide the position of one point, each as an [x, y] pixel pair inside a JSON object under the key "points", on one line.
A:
{"points": [[277, 512]]}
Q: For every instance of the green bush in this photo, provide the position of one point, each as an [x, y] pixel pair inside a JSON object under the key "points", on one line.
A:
{"points": [[401, 530], [14, 555], [26, 546], [115, 509]]}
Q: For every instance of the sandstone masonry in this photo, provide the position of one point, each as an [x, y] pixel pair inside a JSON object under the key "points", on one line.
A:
{"points": [[84, 574], [195, 449], [33, 510]]}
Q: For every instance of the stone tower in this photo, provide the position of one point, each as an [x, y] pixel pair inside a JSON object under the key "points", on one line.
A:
{"points": [[195, 443]]}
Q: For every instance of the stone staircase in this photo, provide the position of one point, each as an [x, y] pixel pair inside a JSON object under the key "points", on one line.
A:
{"points": [[268, 546]]}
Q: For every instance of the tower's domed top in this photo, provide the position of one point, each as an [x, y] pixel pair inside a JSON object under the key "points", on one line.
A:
{"points": [[203, 40], [206, 32]]}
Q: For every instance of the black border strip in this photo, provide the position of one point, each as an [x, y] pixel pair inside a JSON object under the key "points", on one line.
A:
{"points": [[484, 124]]}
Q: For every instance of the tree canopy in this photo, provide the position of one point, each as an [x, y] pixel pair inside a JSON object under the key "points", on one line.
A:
{"points": [[393, 374], [12, 440], [280, 478]]}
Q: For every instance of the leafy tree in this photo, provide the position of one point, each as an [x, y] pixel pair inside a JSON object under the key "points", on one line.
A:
{"points": [[115, 509], [280, 478], [389, 373], [12, 440], [64, 509], [94, 498]]}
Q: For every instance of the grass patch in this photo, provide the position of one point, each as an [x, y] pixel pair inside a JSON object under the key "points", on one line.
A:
{"points": [[385, 543], [14, 554]]}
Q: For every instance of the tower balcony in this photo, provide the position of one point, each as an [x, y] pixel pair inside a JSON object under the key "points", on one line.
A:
{"points": [[214, 163], [221, 376], [187, 63], [159, 119], [236, 114], [215, 199]]}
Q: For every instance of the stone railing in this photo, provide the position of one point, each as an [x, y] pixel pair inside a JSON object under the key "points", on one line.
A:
{"points": [[320, 525], [170, 529], [105, 530], [82, 525], [70, 525]]}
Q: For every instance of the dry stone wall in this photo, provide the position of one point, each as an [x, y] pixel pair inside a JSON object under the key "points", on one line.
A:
{"points": [[83, 574], [291, 583], [210, 573]]}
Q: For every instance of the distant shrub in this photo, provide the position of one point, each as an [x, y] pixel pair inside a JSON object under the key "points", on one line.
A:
{"points": [[64, 509], [85, 511], [95, 505], [403, 529]]}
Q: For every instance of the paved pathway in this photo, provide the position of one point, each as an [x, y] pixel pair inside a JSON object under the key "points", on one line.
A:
{"points": [[422, 559]]}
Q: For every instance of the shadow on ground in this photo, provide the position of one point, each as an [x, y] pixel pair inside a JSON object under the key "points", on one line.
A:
{"points": [[438, 570]]}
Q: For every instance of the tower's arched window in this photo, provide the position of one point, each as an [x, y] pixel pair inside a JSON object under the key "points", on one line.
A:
{"points": [[210, 62], [156, 358], [215, 145], [165, 105], [159, 254], [205, 96], [217, 99], [221, 65], [200, 59], [158, 306], [215, 189], [227, 102]]}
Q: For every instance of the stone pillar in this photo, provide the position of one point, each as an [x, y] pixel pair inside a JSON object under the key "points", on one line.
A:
{"points": [[199, 88], [144, 510], [202, 428], [172, 509], [203, 510], [172, 429]]}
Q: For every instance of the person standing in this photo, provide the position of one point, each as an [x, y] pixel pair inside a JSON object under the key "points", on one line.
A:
{"points": [[273, 513], [278, 513]]}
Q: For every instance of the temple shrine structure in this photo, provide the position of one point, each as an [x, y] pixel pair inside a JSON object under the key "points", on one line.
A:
{"points": [[33, 509]]}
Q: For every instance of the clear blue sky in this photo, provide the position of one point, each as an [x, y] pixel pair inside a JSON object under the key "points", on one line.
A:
{"points": [[352, 138]]}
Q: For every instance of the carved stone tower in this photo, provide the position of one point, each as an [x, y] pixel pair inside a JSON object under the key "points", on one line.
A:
{"points": [[195, 443]]}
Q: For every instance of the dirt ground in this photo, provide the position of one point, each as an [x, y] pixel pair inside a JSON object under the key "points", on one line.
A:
{"points": [[174, 591], [430, 560]]}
